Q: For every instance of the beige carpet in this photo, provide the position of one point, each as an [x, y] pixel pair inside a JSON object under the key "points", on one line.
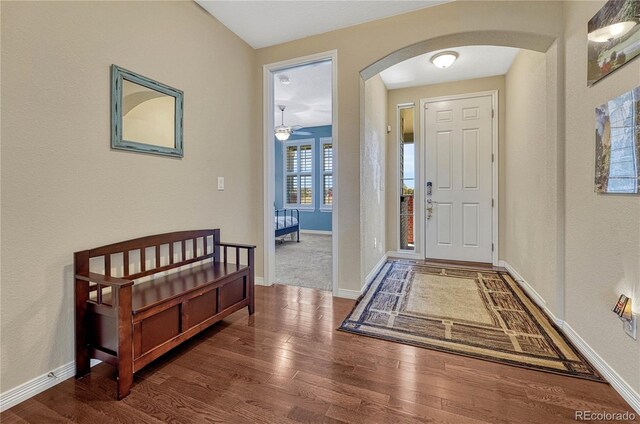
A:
{"points": [[479, 313], [305, 264]]}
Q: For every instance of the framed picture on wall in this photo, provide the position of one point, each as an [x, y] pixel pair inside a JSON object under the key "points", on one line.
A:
{"points": [[613, 38], [618, 144]]}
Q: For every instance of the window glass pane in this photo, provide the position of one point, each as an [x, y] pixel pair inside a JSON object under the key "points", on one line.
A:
{"points": [[306, 161], [292, 159], [407, 187], [305, 190], [408, 163], [327, 157], [327, 189], [292, 189], [407, 178]]}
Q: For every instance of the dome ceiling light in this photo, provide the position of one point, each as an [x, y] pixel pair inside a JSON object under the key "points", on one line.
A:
{"points": [[444, 60]]}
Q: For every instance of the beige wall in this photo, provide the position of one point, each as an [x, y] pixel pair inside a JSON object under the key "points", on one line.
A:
{"points": [[602, 231], [413, 95], [362, 45], [372, 175], [531, 182], [63, 189]]}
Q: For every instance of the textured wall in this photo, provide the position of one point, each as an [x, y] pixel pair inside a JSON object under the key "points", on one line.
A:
{"points": [[64, 190], [361, 45], [602, 231], [372, 174], [413, 95], [531, 182]]}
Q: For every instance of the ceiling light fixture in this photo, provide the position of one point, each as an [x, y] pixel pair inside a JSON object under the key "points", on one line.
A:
{"points": [[444, 60], [608, 33], [282, 131], [284, 79]]}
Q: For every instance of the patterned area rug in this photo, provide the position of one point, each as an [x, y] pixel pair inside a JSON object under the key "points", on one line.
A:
{"points": [[479, 313]]}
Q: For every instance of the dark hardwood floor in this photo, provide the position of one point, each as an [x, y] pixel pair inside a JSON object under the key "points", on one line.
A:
{"points": [[287, 363]]}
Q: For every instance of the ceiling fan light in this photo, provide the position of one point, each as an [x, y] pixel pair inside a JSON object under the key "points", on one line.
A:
{"points": [[284, 79], [282, 132], [444, 60]]}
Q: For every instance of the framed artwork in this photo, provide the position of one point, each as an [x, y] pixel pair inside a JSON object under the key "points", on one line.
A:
{"points": [[146, 115], [613, 39], [618, 144]]}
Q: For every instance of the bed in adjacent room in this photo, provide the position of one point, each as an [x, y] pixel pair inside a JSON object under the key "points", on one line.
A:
{"points": [[287, 221]]}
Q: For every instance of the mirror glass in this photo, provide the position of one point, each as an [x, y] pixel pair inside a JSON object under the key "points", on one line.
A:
{"points": [[146, 114]]}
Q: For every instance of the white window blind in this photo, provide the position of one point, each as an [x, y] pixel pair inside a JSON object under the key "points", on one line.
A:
{"points": [[327, 172], [298, 164]]}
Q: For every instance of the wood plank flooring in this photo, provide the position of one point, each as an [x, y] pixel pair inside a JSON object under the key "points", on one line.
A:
{"points": [[288, 364]]}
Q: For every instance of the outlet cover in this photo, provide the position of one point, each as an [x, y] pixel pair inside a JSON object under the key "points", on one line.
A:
{"points": [[220, 183], [631, 327]]}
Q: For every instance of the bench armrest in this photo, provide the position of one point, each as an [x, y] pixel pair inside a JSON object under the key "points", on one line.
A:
{"points": [[106, 280], [237, 245]]}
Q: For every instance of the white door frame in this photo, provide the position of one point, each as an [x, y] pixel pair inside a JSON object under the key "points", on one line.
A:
{"points": [[269, 159], [495, 164]]}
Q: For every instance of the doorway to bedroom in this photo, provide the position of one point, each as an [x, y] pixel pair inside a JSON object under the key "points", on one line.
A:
{"points": [[303, 174]]}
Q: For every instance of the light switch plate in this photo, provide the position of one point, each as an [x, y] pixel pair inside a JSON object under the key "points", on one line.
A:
{"points": [[220, 183]]}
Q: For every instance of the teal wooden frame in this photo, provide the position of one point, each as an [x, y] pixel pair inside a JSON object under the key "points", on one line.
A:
{"points": [[119, 74]]}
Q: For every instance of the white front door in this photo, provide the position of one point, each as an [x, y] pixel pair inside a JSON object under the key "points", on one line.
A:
{"points": [[459, 139]]}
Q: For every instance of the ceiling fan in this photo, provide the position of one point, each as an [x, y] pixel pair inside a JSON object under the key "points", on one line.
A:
{"points": [[283, 132]]}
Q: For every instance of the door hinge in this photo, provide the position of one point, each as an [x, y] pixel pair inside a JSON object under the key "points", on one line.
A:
{"points": [[492, 247], [493, 157], [426, 106], [492, 203], [493, 113]]}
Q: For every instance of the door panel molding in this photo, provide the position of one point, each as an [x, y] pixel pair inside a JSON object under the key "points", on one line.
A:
{"points": [[469, 118]]}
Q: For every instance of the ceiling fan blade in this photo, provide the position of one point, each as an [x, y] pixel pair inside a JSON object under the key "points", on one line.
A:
{"points": [[301, 132]]}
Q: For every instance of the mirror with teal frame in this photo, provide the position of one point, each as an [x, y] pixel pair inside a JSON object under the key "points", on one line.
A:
{"points": [[146, 116]]}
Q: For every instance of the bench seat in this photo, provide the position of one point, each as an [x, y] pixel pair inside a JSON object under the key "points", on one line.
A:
{"points": [[171, 287], [149, 294]]}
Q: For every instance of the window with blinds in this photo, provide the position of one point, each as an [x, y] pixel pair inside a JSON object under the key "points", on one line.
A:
{"points": [[298, 164], [327, 173]]}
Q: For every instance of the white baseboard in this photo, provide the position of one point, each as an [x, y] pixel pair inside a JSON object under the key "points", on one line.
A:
{"points": [[376, 269], [354, 294], [14, 396], [617, 382], [404, 255], [533, 294], [325, 233], [39, 384], [348, 294], [259, 281]]}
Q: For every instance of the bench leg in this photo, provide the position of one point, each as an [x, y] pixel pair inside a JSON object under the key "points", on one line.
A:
{"points": [[83, 365], [125, 342], [82, 352], [125, 381]]}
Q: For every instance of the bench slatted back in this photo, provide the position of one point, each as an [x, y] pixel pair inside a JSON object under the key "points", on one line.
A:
{"points": [[156, 241]]}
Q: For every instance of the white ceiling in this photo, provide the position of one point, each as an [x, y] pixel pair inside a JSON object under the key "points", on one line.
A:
{"points": [[267, 23], [307, 96], [472, 62]]}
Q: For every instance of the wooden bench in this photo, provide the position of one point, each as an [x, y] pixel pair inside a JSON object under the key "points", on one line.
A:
{"points": [[150, 294]]}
